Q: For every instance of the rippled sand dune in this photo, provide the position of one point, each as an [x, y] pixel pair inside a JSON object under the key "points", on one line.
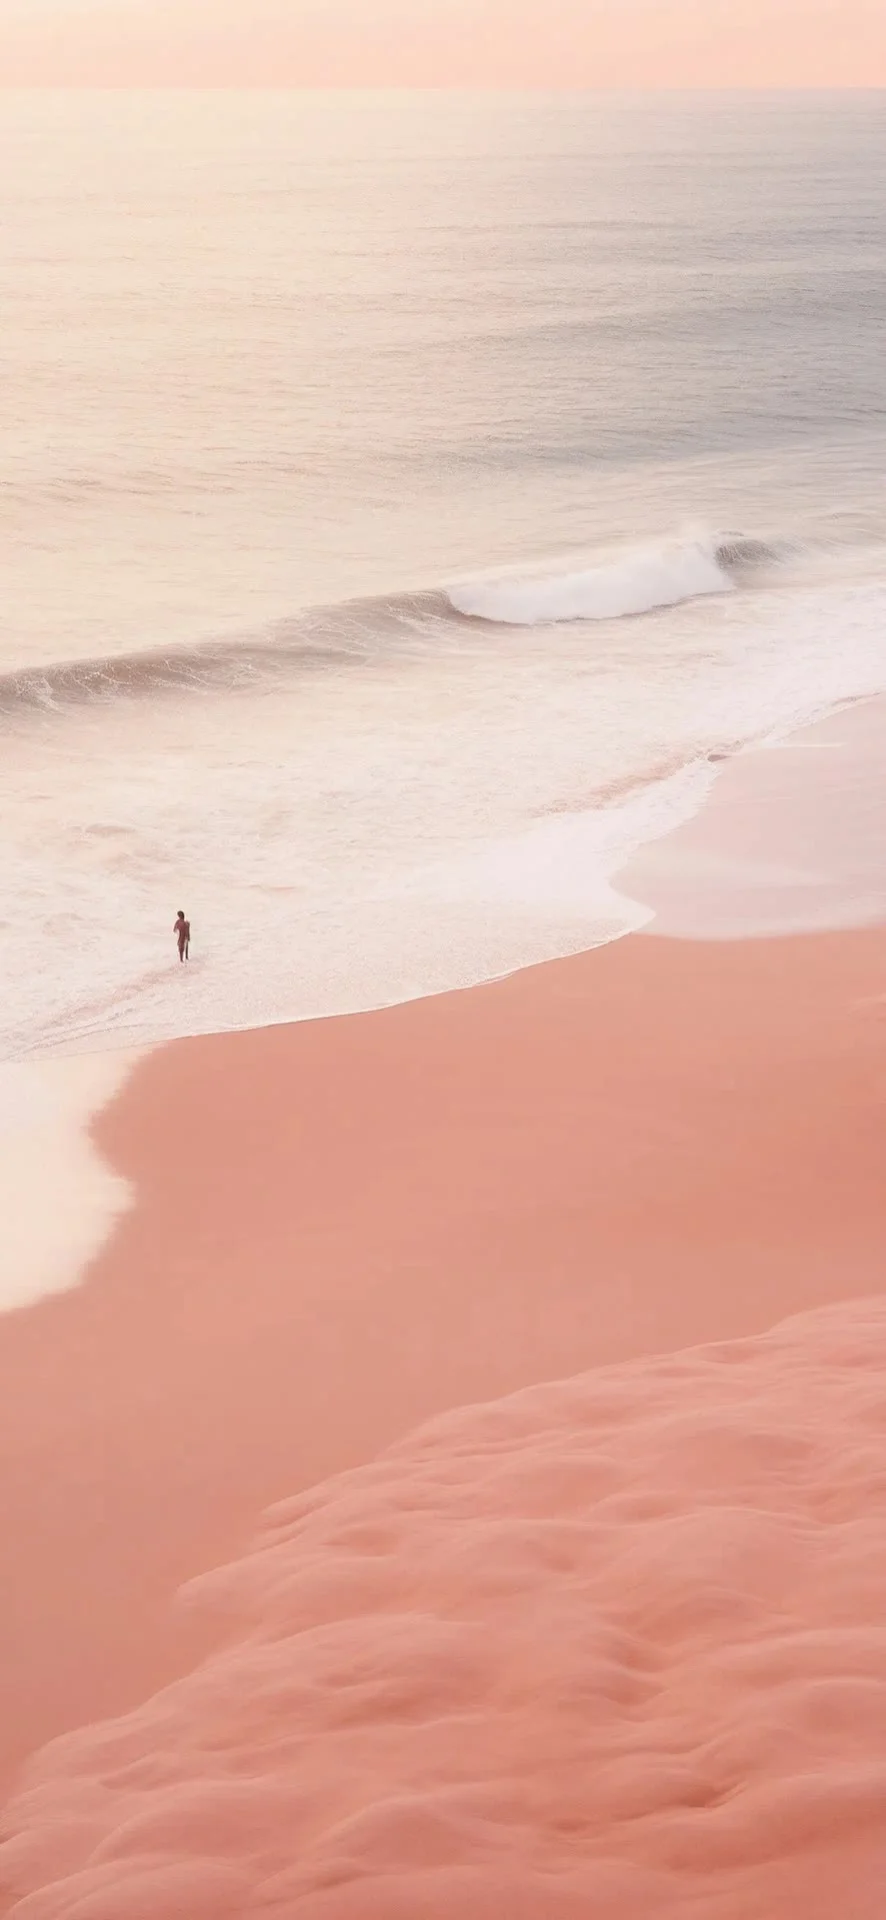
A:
{"points": [[614, 1646]]}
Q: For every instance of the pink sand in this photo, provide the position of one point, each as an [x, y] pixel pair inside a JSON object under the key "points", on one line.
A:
{"points": [[347, 1228], [609, 1648]]}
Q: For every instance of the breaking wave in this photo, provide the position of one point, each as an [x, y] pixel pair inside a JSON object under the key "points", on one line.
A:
{"points": [[637, 582], [313, 639]]}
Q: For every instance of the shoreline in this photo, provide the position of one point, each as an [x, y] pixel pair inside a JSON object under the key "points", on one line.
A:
{"points": [[818, 815], [628, 895], [342, 1230], [59, 1198], [789, 840]]}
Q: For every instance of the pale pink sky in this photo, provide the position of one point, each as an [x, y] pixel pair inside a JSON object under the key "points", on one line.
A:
{"points": [[555, 43]]}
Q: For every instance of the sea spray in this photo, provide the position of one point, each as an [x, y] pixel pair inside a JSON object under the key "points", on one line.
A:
{"points": [[641, 580]]}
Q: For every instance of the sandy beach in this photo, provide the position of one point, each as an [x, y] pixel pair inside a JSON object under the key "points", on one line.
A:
{"points": [[442, 1324], [345, 1229]]}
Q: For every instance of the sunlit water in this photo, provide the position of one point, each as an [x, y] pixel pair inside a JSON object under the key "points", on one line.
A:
{"points": [[401, 500]]}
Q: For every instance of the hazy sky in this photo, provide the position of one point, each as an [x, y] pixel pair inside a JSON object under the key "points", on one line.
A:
{"points": [[621, 43]]}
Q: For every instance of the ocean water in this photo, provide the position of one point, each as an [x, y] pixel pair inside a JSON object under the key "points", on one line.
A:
{"points": [[405, 501]]}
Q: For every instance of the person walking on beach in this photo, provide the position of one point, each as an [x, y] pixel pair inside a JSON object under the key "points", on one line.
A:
{"points": [[182, 931]]}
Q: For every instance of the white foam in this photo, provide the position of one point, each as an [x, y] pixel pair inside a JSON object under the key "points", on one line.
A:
{"points": [[405, 826], [639, 581], [792, 841], [560, 868], [58, 1199]]}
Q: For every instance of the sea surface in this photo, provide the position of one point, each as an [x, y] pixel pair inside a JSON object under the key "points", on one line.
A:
{"points": [[405, 502]]}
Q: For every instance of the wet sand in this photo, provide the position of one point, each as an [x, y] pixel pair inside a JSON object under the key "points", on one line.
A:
{"points": [[340, 1230], [344, 1228]]}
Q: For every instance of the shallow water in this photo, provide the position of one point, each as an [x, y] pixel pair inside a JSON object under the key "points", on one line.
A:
{"points": [[402, 498]]}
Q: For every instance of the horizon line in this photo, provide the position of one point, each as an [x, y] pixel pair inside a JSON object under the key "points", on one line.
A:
{"points": [[316, 86]]}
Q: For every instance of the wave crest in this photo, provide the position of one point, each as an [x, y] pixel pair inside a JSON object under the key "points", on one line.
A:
{"points": [[638, 581], [309, 640]]}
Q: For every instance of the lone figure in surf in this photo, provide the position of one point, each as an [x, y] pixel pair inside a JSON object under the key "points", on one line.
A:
{"points": [[182, 931]]}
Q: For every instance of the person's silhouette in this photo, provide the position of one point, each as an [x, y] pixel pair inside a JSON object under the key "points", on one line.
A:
{"points": [[182, 931]]}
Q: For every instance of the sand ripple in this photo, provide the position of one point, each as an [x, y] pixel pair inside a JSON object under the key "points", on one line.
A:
{"points": [[613, 1647]]}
